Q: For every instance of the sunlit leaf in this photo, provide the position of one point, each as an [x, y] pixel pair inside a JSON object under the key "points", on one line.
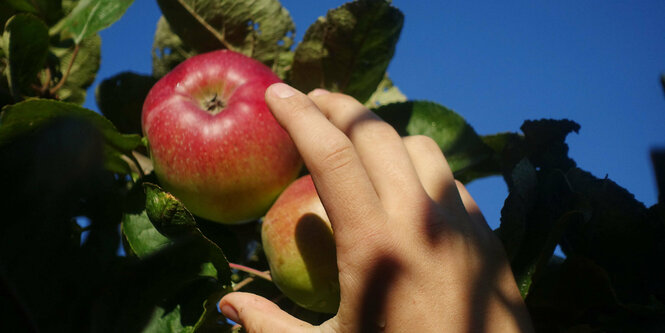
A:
{"points": [[385, 93], [460, 144], [25, 43], [91, 16], [349, 49], [261, 29]]}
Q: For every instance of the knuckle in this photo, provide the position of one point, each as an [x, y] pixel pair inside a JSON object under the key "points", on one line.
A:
{"points": [[422, 143], [339, 155]]}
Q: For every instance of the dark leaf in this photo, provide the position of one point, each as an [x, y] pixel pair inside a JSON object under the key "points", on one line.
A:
{"points": [[658, 161], [349, 49], [27, 117], [49, 10], [460, 144], [546, 145], [120, 98], [172, 219], [141, 236], [261, 29], [89, 17], [26, 46]]}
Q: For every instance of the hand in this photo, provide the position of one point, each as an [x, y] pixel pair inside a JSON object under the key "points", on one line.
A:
{"points": [[413, 250]]}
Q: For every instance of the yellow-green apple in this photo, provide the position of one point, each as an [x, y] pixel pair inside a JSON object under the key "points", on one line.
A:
{"points": [[299, 245], [213, 141]]}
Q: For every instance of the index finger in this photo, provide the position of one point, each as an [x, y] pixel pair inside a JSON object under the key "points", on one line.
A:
{"points": [[341, 181]]}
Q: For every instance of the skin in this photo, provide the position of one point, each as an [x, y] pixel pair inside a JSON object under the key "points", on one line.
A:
{"points": [[214, 143], [413, 250]]}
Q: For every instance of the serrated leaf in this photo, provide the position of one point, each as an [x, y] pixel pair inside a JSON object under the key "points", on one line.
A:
{"points": [[386, 93], [349, 49], [460, 144], [261, 29], [25, 41], [141, 236], [545, 139], [170, 217], [168, 50], [120, 98], [91, 16], [83, 70]]}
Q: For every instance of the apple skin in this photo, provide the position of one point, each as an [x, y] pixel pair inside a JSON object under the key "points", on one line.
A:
{"points": [[230, 163], [299, 245]]}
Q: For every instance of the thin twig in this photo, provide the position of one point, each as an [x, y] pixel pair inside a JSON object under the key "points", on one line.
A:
{"points": [[69, 68], [264, 275], [243, 283]]}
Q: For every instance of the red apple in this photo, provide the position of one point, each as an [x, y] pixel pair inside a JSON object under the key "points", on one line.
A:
{"points": [[213, 141], [300, 248]]}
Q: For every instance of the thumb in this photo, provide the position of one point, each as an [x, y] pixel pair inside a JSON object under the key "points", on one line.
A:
{"points": [[258, 315]]}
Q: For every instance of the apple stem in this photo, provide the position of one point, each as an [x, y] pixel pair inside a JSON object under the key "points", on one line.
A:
{"points": [[264, 275], [243, 283]]}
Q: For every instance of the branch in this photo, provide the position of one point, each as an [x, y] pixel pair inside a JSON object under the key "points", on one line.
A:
{"points": [[264, 275]]}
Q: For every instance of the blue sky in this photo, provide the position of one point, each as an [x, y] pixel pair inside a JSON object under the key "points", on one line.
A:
{"points": [[499, 63]]}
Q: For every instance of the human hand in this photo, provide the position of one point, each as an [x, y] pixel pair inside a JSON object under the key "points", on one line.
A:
{"points": [[413, 250]]}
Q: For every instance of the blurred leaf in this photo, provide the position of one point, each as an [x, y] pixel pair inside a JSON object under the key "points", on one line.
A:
{"points": [[83, 70], [49, 10], [349, 49], [168, 50], [141, 236], [25, 41], [460, 144], [386, 93], [170, 217], [120, 98], [261, 29], [90, 17], [27, 117]]}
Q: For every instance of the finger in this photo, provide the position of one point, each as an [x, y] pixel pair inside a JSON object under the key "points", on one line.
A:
{"points": [[340, 178], [257, 314], [433, 170], [379, 147], [471, 206]]}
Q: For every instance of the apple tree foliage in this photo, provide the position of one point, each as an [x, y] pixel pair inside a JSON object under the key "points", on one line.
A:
{"points": [[61, 164]]}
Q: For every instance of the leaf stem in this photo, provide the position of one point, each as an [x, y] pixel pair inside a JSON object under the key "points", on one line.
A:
{"points": [[264, 275], [137, 164], [243, 283], [66, 75]]}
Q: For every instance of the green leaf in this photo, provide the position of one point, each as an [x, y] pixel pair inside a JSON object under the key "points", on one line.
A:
{"points": [[386, 93], [49, 10], [460, 144], [29, 116], [170, 217], [83, 70], [168, 50], [91, 16], [141, 236], [166, 322], [120, 98], [349, 49], [25, 42], [261, 29]]}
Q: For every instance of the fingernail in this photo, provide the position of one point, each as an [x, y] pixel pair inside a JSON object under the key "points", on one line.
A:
{"points": [[319, 92], [282, 90], [229, 312]]}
